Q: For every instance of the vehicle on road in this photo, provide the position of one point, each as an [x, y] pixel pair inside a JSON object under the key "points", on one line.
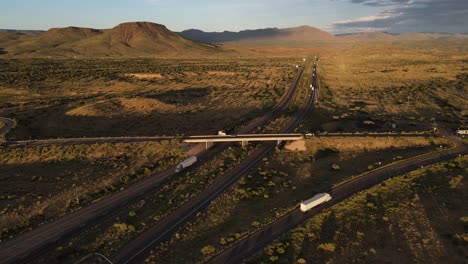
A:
{"points": [[462, 133], [186, 163], [314, 201]]}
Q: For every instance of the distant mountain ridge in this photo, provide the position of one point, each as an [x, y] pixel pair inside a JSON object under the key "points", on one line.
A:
{"points": [[302, 33], [20, 31], [384, 36], [151, 39], [309, 34], [126, 39]]}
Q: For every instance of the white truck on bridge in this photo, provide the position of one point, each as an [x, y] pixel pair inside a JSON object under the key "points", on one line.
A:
{"points": [[186, 163], [462, 132], [314, 201]]}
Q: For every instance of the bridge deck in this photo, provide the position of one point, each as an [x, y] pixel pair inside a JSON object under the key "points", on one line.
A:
{"points": [[241, 138]]}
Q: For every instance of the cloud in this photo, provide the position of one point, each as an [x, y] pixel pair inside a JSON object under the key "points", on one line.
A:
{"points": [[445, 16], [381, 2]]}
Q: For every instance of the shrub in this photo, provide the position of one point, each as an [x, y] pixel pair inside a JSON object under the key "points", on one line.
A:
{"points": [[255, 224], [222, 241], [335, 167], [208, 250], [329, 247], [301, 261]]}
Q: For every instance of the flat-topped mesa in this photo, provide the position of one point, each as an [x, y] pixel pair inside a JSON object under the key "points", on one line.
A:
{"points": [[129, 30]]}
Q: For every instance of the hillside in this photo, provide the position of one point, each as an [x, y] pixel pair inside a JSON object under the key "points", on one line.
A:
{"points": [[10, 36], [268, 35], [140, 38], [127, 39]]}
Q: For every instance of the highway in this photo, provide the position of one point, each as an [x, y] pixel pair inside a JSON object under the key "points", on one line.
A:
{"points": [[26, 246], [246, 247], [30, 244], [7, 125], [84, 141], [138, 250]]}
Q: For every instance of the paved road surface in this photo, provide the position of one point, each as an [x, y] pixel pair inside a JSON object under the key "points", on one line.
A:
{"points": [[138, 250], [7, 125], [26, 246], [255, 242], [84, 141]]}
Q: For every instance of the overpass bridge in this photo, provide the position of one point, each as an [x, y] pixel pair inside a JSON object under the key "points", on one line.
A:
{"points": [[244, 139]]}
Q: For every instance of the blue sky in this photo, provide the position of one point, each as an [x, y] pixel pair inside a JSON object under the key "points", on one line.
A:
{"points": [[337, 16]]}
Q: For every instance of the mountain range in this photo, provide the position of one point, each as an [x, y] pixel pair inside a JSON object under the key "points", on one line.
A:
{"points": [[382, 36], [126, 39], [151, 39], [274, 35]]}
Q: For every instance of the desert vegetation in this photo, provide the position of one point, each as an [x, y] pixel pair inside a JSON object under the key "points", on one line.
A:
{"points": [[276, 187], [422, 82], [108, 237], [76, 98], [417, 217], [364, 88], [43, 183]]}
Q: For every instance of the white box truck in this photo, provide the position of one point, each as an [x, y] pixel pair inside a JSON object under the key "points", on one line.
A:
{"points": [[186, 163], [314, 201]]}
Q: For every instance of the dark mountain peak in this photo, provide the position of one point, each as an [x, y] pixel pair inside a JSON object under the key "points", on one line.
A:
{"points": [[302, 33], [71, 32], [130, 30]]}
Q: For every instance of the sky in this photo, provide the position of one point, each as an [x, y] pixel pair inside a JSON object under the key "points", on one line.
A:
{"points": [[335, 16]]}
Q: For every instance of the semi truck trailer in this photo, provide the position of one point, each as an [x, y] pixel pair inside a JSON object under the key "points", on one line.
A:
{"points": [[314, 201], [186, 163]]}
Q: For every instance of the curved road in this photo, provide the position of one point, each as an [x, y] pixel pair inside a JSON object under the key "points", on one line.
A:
{"points": [[7, 125], [137, 250], [246, 247], [24, 247]]}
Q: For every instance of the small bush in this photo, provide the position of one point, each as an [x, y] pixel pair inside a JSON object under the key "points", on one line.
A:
{"points": [[208, 250], [329, 247]]}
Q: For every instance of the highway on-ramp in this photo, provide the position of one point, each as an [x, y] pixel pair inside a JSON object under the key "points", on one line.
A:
{"points": [[246, 247]]}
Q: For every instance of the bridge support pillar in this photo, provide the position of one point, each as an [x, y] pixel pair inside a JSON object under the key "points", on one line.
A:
{"points": [[208, 145], [244, 143]]}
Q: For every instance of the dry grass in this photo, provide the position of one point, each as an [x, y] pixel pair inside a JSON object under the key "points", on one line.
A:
{"points": [[124, 106], [415, 218], [298, 145], [277, 185], [144, 76], [43, 183], [144, 97], [380, 78], [355, 145]]}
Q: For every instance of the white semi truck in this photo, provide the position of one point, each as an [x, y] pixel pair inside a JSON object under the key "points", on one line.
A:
{"points": [[314, 201], [462, 133], [186, 163]]}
